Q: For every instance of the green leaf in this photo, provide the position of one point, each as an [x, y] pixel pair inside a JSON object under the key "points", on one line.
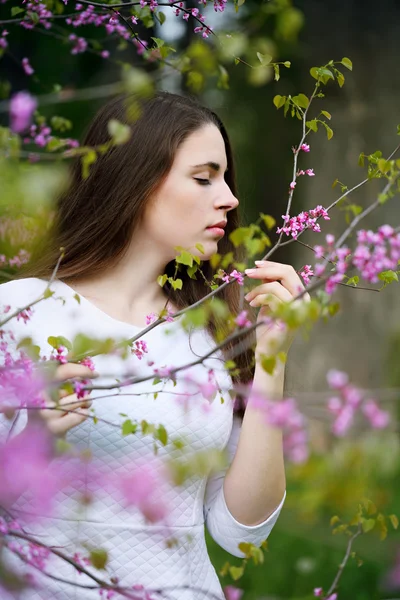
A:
{"points": [[321, 74], [158, 42], [279, 101], [239, 235], [388, 276], [269, 221], [394, 521], [287, 64], [346, 62], [264, 59], [268, 363], [88, 159], [119, 132], [326, 114], [161, 17], [302, 100], [185, 258], [276, 72], [176, 283], [200, 248], [361, 160], [353, 281], [99, 558], [162, 280], [329, 132], [236, 572], [128, 427], [340, 78], [367, 524], [313, 125], [383, 165], [162, 435], [16, 10]]}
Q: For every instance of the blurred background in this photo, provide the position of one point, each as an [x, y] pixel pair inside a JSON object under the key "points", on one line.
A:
{"points": [[363, 338]]}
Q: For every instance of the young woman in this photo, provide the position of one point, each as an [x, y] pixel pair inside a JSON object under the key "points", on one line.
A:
{"points": [[170, 185]]}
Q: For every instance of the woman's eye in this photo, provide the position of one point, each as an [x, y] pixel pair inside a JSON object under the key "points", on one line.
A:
{"points": [[202, 181]]}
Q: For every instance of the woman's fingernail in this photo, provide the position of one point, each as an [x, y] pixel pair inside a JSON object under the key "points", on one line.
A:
{"points": [[95, 374], [259, 262], [250, 270]]}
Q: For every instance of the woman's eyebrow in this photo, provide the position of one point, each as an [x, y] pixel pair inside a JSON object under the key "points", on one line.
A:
{"points": [[212, 165]]}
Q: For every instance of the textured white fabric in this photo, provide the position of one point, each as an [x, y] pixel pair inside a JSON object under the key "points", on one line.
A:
{"points": [[138, 551]]}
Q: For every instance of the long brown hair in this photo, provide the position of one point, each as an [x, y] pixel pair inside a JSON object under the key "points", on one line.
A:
{"points": [[96, 216]]}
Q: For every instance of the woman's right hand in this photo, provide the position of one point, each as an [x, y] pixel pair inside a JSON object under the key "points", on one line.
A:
{"points": [[59, 422]]}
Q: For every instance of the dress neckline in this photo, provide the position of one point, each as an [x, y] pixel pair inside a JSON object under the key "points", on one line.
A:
{"points": [[104, 314]]}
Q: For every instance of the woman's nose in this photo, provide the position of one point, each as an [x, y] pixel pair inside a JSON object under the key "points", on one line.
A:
{"points": [[228, 200]]}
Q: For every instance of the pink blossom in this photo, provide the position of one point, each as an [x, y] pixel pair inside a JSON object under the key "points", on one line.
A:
{"points": [[25, 315], [3, 41], [139, 349], [22, 107], [88, 362], [139, 488], [330, 239], [78, 388], [332, 596], [232, 593], [318, 592], [378, 418], [242, 319], [310, 172], [239, 277], [306, 272], [337, 379], [292, 185], [27, 67], [304, 220], [105, 54], [305, 148], [80, 44], [319, 251], [343, 421], [150, 318]]}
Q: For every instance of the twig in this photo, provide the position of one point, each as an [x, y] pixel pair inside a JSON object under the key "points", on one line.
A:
{"points": [[344, 562]]}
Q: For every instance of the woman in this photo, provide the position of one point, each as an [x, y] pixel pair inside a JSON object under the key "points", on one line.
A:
{"points": [[171, 185]]}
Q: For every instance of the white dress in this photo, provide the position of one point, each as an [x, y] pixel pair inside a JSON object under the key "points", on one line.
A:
{"points": [[139, 552]]}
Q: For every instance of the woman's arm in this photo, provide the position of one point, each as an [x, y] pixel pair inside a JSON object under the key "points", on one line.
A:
{"points": [[255, 482]]}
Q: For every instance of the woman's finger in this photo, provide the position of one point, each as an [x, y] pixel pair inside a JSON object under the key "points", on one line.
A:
{"points": [[73, 370], [274, 288], [61, 426], [69, 403], [286, 274]]}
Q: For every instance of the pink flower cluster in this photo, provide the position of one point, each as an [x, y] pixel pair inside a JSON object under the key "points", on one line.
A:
{"points": [[374, 253], [41, 12], [306, 272], [33, 554], [79, 44], [139, 349], [349, 400], [232, 593], [60, 354], [22, 107], [3, 41], [242, 319], [16, 261], [305, 220], [233, 275]]}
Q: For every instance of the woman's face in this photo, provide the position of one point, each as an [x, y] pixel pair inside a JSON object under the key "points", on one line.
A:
{"points": [[193, 197]]}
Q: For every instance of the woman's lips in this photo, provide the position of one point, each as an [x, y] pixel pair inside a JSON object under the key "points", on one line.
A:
{"points": [[216, 231]]}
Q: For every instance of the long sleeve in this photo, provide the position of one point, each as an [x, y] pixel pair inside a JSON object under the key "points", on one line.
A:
{"points": [[223, 527]]}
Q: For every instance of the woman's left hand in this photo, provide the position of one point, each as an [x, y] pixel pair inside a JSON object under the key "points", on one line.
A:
{"points": [[280, 283]]}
